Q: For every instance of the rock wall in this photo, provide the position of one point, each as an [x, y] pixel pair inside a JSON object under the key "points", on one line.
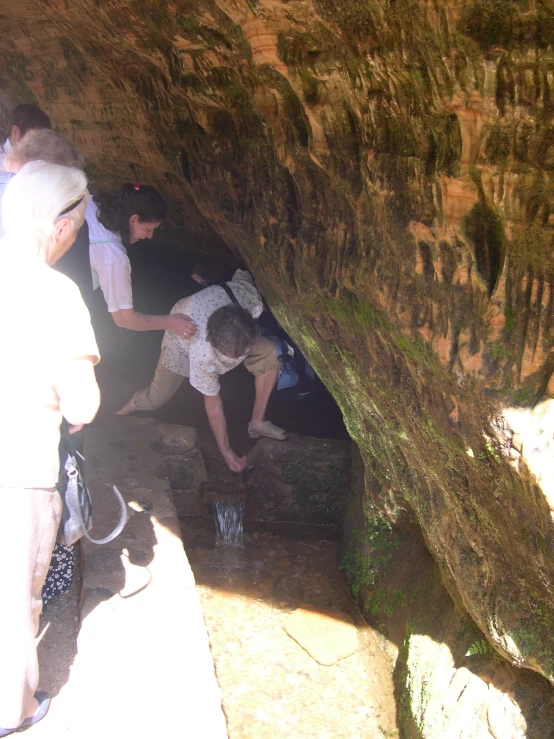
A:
{"points": [[384, 169], [448, 680]]}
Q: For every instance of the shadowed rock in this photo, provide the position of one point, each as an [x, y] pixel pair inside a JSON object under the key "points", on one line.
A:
{"points": [[324, 147]]}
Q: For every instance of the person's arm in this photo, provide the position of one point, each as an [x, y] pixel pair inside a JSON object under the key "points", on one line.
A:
{"points": [[218, 424], [78, 391], [114, 277], [180, 324]]}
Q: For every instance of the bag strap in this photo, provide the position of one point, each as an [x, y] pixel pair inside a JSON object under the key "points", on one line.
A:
{"points": [[229, 292], [123, 515]]}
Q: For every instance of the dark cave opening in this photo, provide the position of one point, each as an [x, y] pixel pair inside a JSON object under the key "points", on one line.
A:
{"points": [[161, 273]]}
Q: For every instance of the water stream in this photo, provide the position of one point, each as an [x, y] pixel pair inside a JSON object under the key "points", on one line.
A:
{"points": [[229, 518]]}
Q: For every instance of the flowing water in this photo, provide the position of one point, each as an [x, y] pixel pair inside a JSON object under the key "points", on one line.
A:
{"points": [[229, 522]]}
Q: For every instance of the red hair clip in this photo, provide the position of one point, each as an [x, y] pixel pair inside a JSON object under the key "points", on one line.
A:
{"points": [[137, 186]]}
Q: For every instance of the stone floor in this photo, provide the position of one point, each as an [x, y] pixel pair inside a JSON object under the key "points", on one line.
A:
{"points": [[141, 665], [272, 686]]}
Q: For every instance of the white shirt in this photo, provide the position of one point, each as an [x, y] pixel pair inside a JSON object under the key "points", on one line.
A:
{"points": [[4, 149], [110, 265], [4, 179], [53, 328], [196, 358]]}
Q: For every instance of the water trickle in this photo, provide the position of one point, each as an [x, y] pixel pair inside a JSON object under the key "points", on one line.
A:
{"points": [[229, 522]]}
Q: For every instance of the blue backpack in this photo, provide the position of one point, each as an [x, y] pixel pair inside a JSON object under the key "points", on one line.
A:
{"points": [[297, 375]]}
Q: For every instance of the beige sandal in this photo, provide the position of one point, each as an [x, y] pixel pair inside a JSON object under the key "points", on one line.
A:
{"points": [[127, 409], [267, 430]]}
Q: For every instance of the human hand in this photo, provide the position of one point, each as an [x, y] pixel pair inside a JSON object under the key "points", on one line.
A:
{"points": [[74, 429], [181, 325], [234, 462]]}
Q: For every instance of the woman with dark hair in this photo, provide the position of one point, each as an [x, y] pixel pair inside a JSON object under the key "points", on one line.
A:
{"points": [[116, 219]]}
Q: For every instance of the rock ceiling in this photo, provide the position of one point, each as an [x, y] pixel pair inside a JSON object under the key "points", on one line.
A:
{"points": [[384, 169]]}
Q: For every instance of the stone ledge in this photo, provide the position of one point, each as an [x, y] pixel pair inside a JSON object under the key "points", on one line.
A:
{"points": [[144, 666]]}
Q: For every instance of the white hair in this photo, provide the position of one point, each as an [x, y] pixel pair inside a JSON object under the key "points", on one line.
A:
{"points": [[33, 201]]}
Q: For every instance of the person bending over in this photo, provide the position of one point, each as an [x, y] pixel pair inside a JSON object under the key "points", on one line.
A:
{"points": [[228, 334], [115, 219]]}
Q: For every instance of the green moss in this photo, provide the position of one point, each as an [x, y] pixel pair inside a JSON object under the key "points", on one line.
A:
{"points": [[491, 23], [444, 147], [357, 18], [404, 680], [352, 312], [192, 82], [299, 49], [509, 318], [533, 638], [484, 228], [363, 571], [383, 602], [188, 24], [417, 351], [229, 83], [310, 87], [74, 58], [526, 394], [323, 495], [530, 248], [499, 352], [294, 117], [543, 27], [497, 143], [393, 136]]}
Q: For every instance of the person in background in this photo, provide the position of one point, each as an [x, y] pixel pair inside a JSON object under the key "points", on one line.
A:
{"points": [[116, 219], [46, 145], [39, 143], [210, 273], [47, 371], [227, 335], [4, 128], [23, 118], [51, 146]]}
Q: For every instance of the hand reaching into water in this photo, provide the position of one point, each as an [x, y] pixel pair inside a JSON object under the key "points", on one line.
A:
{"points": [[234, 462]]}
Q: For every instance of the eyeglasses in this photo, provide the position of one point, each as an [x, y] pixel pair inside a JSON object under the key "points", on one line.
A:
{"points": [[71, 207]]}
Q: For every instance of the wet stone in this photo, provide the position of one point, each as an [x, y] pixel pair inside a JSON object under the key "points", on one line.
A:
{"points": [[177, 439], [272, 687], [180, 471]]}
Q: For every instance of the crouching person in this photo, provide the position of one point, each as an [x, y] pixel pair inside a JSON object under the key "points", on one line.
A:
{"points": [[228, 334]]}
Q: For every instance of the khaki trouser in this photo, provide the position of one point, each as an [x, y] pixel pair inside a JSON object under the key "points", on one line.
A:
{"points": [[165, 383], [29, 520]]}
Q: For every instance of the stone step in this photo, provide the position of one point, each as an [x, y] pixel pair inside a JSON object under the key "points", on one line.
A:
{"points": [[143, 666]]}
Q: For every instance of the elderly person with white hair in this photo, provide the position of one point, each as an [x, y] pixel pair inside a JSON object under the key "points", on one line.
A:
{"points": [[47, 371]]}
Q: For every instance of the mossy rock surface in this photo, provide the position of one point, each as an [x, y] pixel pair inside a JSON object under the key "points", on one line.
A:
{"points": [[449, 680], [384, 170], [301, 479]]}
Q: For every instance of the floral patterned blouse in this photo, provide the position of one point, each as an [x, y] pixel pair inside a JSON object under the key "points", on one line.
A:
{"points": [[196, 358]]}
